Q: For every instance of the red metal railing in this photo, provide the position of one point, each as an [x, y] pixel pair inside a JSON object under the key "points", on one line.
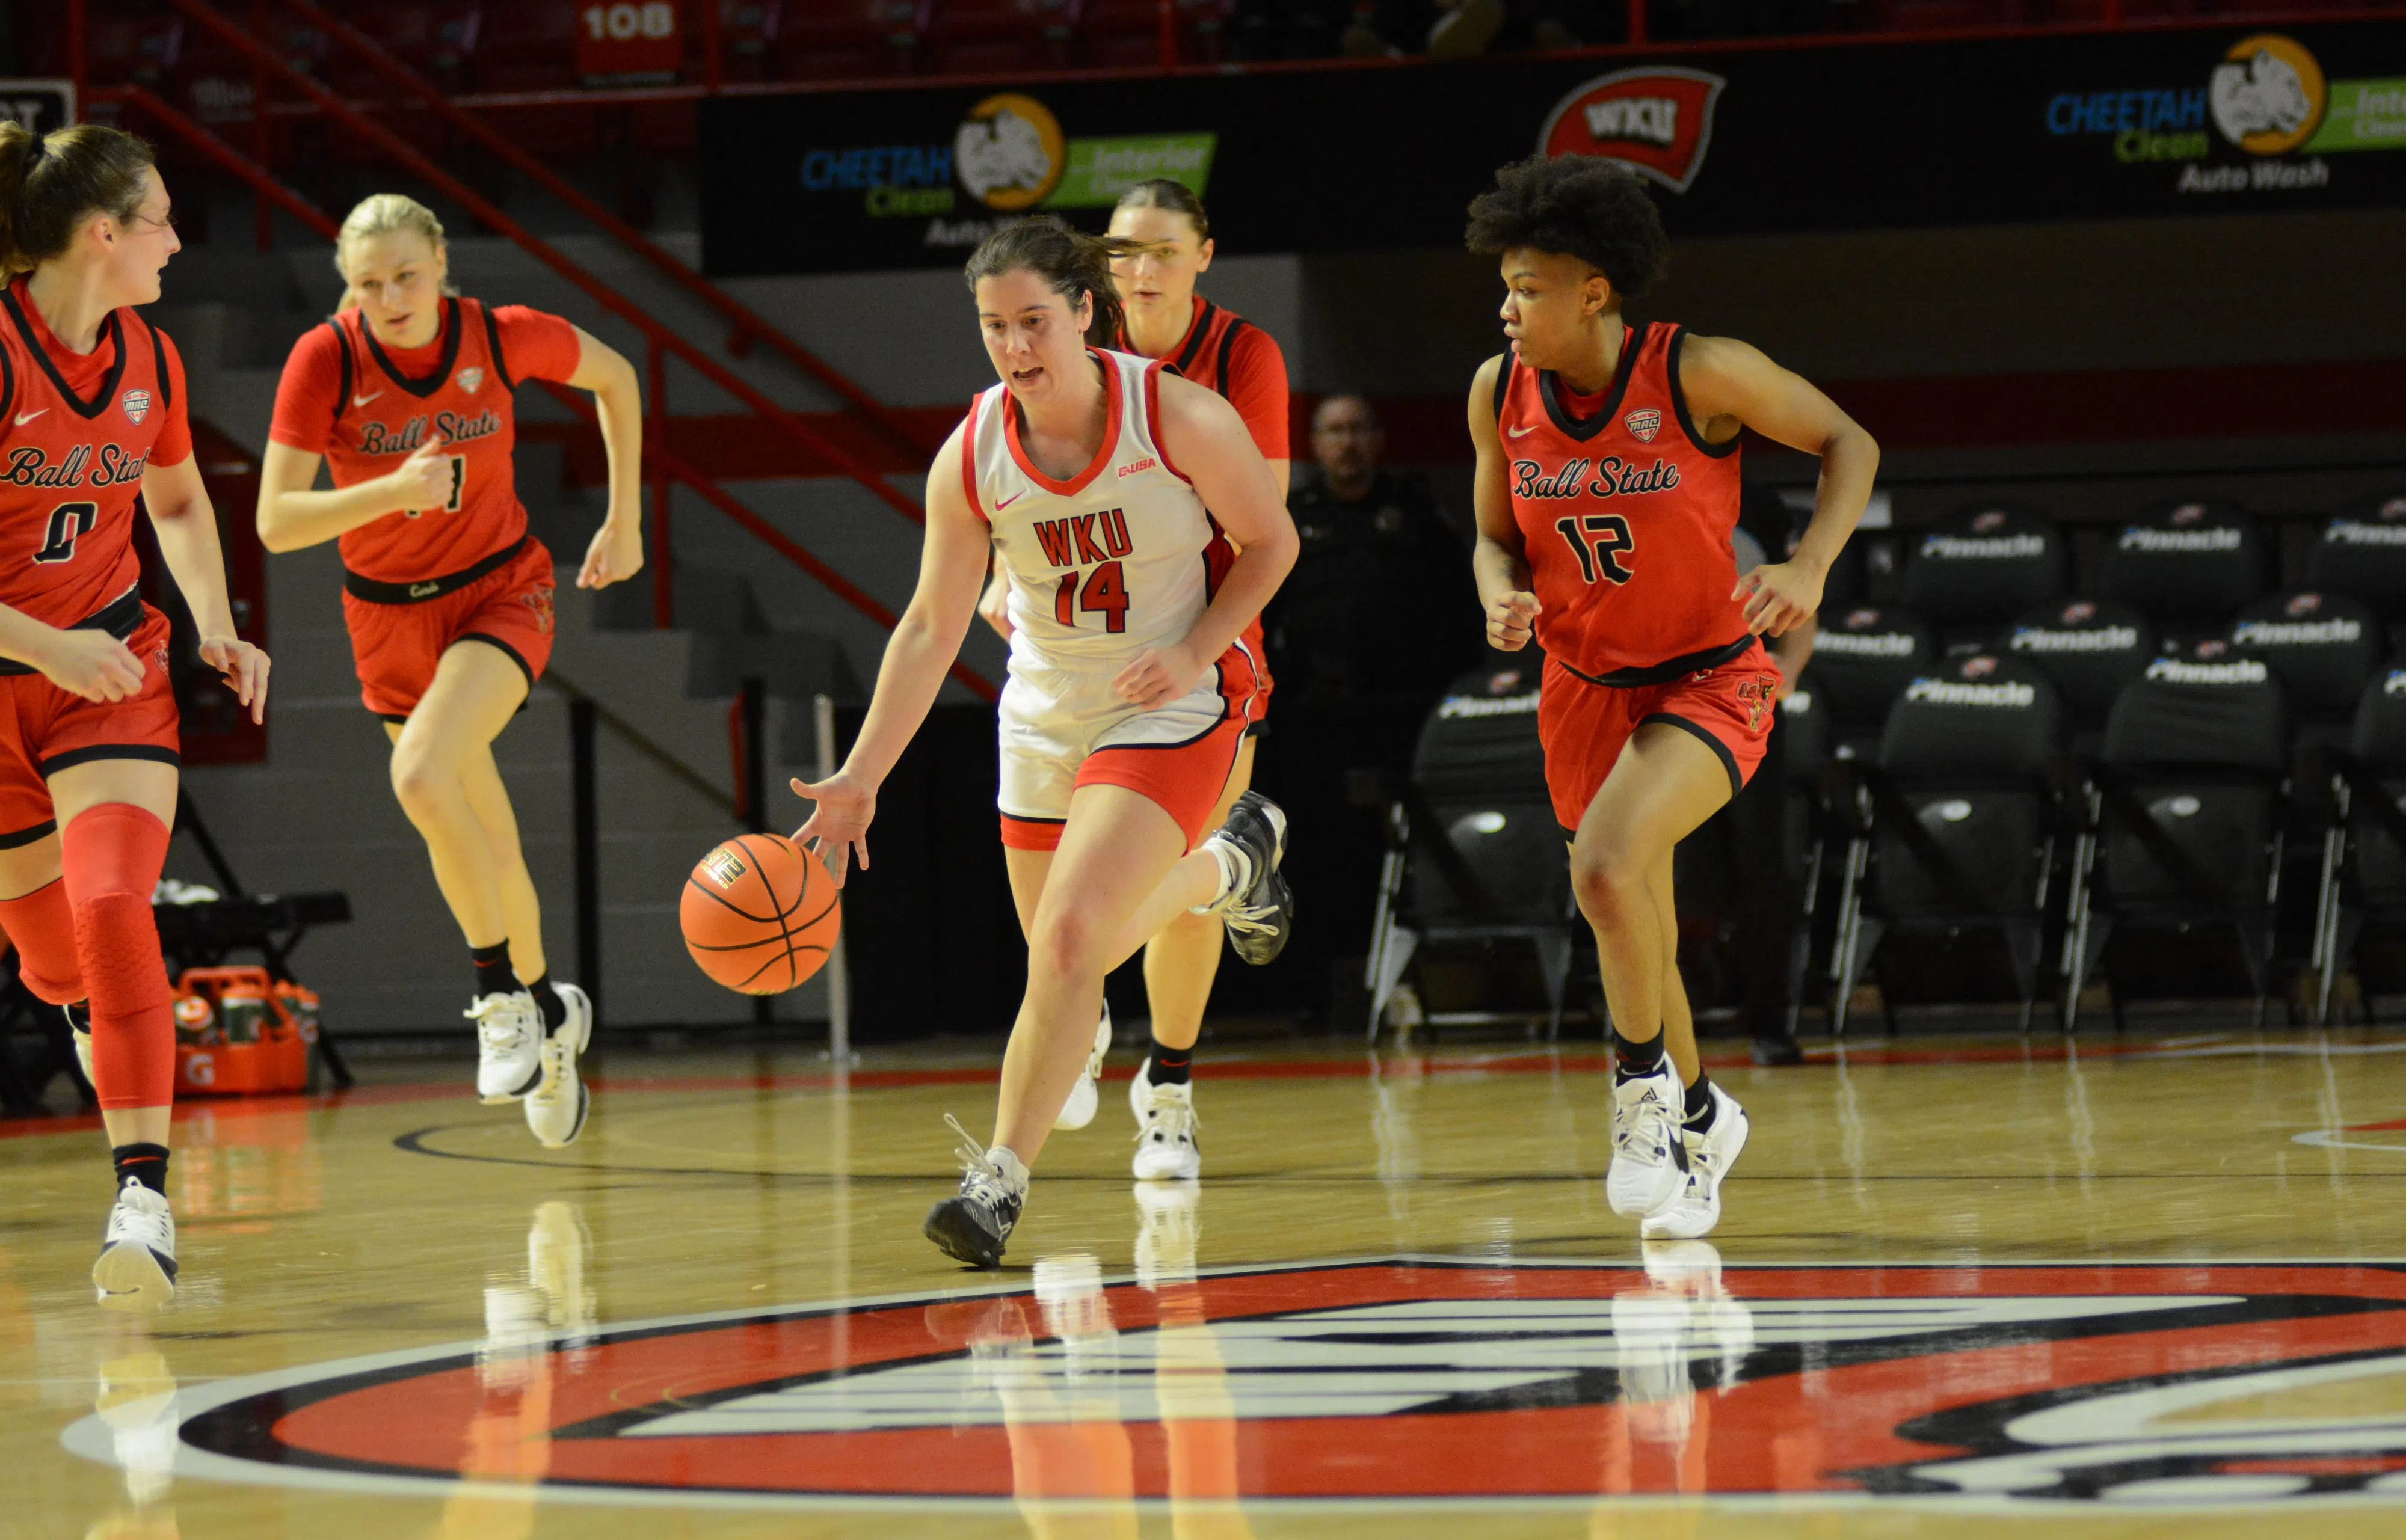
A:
{"points": [[662, 464]]}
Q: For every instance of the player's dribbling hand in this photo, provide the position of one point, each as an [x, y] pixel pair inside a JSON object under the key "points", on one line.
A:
{"points": [[615, 555], [92, 664], [993, 605], [423, 481], [1158, 676], [244, 668], [840, 823], [1511, 621], [1780, 597]]}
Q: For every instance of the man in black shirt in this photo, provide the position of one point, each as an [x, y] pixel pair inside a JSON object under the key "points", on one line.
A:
{"points": [[1379, 616]]}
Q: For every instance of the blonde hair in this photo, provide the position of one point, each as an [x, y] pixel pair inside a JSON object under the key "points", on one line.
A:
{"points": [[386, 214], [50, 184]]}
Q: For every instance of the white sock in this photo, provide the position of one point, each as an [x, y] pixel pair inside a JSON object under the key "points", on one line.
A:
{"points": [[1013, 1169], [1236, 870]]}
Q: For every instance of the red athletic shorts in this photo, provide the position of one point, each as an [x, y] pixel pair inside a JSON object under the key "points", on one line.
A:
{"points": [[1583, 724], [44, 729], [397, 641]]}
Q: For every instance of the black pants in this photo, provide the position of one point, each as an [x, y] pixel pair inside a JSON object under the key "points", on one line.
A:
{"points": [[1763, 892]]}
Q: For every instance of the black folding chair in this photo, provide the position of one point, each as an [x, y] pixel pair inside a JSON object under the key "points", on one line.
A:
{"points": [[2184, 818], [1954, 825], [1475, 853], [2186, 566], [1862, 659], [2365, 862], [1971, 572], [2362, 553], [2088, 649]]}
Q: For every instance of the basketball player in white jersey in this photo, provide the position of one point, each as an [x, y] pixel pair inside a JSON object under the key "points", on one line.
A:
{"points": [[1088, 473]]}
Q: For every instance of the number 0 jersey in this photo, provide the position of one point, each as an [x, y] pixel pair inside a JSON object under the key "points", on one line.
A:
{"points": [[381, 414], [1120, 557], [1625, 517], [72, 454]]}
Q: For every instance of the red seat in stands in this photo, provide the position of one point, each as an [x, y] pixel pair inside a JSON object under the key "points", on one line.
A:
{"points": [[851, 39], [1003, 36], [1126, 34]]}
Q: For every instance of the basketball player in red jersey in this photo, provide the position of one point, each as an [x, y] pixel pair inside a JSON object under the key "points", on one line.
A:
{"points": [[405, 395], [1606, 488], [92, 414], [1164, 317]]}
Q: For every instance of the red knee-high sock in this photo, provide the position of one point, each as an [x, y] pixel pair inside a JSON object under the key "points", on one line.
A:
{"points": [[42, 928], [112, 855]]}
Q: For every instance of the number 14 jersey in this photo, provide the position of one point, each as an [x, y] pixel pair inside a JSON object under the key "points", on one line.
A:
{"points": [[1120, 557], [1625, 514]]}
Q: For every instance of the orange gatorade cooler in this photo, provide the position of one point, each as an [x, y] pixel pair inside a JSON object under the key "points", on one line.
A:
{"points": [[237, 1033]]}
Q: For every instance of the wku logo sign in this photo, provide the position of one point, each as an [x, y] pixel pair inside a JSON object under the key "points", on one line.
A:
{"points": [[2181, 1385], [1658, 121]]}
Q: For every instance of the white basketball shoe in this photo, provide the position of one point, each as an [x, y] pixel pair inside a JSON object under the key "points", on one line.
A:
{"points": [[556, 1108], [1648, 1160], [509, 1045], [1078, 1110]]}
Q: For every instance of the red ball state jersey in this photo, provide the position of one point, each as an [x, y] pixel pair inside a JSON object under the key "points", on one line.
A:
{"points": [[1625, 514], [382, 414], [75, 433]]}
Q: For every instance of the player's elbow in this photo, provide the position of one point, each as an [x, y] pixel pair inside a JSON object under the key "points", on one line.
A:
{"points": [[274, 532]]}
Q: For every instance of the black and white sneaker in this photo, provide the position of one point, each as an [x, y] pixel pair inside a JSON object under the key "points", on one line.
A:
{"points": [[136, 1270], [1258, 910], [974, 1223]]}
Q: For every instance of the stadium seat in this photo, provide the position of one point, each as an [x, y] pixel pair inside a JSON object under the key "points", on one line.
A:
{"points": [[2365, 865], [2362, 553], [993, 37], [1862, 659], [2183, 816], [1981, 568], [2322, 647], [1126, 34], [1475, 852], [748, 37], [2089, 649], [1954, 822], [2190, 567], [528, 48], [849, 39]]}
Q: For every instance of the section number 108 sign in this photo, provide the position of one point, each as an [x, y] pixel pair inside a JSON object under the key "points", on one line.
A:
{"points": [[628, 42]]}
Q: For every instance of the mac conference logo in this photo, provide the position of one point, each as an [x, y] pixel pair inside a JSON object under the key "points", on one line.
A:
{"points": [[2179, 1386], [1657, 121]]}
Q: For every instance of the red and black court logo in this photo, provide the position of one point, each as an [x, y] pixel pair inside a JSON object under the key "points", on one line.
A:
{"points": [[1658, 121], [1425, 1380]]}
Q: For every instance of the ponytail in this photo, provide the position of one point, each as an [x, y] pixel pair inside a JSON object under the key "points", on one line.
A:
{"points": [[385, 214], [1076, 264], [50, 184]]}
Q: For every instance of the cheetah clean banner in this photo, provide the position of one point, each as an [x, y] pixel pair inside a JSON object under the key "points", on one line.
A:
{"points": [[2206, 119]]}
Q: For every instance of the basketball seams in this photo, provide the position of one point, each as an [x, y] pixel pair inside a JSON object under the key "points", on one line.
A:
{"points": [[790, 931]]}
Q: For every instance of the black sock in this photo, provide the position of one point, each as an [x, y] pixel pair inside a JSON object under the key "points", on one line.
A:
{"points": [[1171, 1065], [547, 1000], [493, 975], [1700, 1104], [1631, 1060], [145, 1163]]}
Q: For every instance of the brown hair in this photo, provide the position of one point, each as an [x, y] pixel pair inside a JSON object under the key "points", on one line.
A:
{"points": [[386, 214], [1161, 193], [1074, 263], [50, 184]]}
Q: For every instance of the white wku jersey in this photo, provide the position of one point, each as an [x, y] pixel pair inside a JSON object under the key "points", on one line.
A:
{"points": [[1121, 557]]}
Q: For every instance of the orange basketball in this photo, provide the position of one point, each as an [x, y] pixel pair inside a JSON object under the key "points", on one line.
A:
{"points": [[760, 915]]}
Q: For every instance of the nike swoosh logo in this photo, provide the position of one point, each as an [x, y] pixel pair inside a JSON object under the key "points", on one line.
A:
{"points": [[362, 401], [1521, 433], [1009, 501], [24, 417]]}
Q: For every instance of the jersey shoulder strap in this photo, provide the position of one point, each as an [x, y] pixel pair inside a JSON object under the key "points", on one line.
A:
{"points": [[158, 361], [493, 343], [343, 382], [1504, 385], [1200, 335], [1227, 345]]}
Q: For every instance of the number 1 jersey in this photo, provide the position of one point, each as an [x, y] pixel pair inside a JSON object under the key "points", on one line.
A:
{"points": [[75, 433], [1625, 514]]}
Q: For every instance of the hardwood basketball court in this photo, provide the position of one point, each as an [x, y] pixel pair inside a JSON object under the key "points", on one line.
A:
{"points": [[1962, 1288]]}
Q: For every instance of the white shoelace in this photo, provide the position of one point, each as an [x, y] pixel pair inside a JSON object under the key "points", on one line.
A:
{"points": [[501, 1024], [1645, 1133], [148, 1223], [1172, 1116], [556, 1061], [980, 1177]]}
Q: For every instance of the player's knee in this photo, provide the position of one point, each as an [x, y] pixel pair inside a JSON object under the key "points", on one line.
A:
{"points": [[1067, 943], [1608, 883], [419, 783]]}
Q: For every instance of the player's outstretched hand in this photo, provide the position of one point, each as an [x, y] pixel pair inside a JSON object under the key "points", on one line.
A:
{"points": [[993, 605], [92, 664], [840, 823], [615, 555], [1780, 597], [1511, 621], [423, 481], [1158, 676], [244, 668]]}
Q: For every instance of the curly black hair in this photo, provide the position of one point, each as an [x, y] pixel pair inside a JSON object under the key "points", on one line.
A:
{"points": [[1577, 205]]}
